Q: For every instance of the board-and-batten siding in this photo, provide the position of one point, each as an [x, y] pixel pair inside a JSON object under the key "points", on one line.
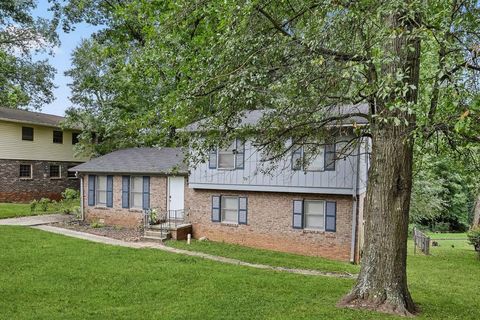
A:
{"points": [[41, 148], [281, 179]]}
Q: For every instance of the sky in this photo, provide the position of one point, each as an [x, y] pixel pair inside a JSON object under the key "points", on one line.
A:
{"points": [[62, 60]]}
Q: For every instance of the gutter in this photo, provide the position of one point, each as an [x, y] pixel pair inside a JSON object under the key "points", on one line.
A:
{"points": [[355, 205]]}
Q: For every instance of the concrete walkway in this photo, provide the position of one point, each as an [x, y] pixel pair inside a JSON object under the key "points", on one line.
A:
{"points": [[35, 220], [159, 246]]}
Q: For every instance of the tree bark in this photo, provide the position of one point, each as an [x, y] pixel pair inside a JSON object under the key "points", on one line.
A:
{"points": [[382, 282], [476, 213]]}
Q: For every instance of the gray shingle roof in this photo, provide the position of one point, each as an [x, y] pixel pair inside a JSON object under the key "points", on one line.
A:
{"points": [[137, 161], [254, 116], [29, 117]]}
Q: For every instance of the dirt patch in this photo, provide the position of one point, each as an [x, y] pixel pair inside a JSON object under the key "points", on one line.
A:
{"points": [[120, 233]]}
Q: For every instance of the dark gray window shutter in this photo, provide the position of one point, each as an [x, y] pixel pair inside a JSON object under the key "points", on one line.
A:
{"points": [[146, 192], [212, 159], [242, 210], [125, 192], [239, 154], [329, 157], [216, 208], [297, 159], [298, 214], [110, 191], [91, 190], [331, 216]]}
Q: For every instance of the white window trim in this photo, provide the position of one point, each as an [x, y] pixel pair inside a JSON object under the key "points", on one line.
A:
{"points": [[31, 172], [132, 193], [222, 208], [324, 215], [98, 190], [59, 171], [234, 157]]}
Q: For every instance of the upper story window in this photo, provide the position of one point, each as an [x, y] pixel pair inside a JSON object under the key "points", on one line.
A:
{"points": [[75, 138], [323, 160], [57, 136], [55, 171], [26, 171], [101, 191], [229, 158], [27, 133]]}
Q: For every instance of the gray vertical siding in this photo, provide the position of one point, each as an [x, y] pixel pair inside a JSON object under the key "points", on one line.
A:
{"points": [[280, 179]]}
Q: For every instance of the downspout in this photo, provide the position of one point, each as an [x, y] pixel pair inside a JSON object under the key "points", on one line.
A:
{"points": [[355, 205], [82, 200]]}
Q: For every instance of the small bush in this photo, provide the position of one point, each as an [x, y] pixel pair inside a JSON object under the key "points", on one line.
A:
{"points": [[96, 224], [70, 194], [77, 212], [33, 206], [474, 238], [44, 203]]}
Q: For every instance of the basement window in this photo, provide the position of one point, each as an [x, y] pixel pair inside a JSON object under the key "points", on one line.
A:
{"points": [[55, 171], [229, 209], [314, 214], [26, 171]]}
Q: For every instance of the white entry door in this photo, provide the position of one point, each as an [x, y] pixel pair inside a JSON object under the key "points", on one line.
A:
{"points": [[176, 189]]}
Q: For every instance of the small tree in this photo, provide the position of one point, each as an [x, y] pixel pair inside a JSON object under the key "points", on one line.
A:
{"points": [[474, 238]]}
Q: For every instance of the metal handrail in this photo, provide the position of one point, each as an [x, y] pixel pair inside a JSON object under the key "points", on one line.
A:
{"points": [[167, 219]]}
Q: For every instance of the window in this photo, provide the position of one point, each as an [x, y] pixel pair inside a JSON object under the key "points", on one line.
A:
{"points": [[136, 192], [229, 209], [26, 171], [55, 171], [57, 136], [101, 195], [71, 174], [226, 157], [323, 159], [314, 214], [27, 133], [75, 138]]}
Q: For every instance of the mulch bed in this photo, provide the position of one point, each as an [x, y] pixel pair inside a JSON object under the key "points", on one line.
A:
{"points": [[120, 233]]}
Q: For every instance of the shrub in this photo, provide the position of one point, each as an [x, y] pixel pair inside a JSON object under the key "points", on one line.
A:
{"points": [[33, 206], [70, 194], [474, 238], [96, 224], [77, 212], [44, 203]]}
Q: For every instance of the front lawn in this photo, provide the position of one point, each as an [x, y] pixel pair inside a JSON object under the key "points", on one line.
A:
{"points": [[48, 276], [12, 210], [269, 257]]}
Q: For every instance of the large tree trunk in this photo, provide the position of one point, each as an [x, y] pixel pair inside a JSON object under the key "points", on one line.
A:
{"points": [[382, 282]]}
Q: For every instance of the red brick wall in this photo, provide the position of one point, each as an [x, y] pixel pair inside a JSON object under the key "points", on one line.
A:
{"points": [[125, 217], [270, 223]]}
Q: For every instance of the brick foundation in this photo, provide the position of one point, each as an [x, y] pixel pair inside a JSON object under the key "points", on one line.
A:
{"points": [[270, 224], [15, 189]]}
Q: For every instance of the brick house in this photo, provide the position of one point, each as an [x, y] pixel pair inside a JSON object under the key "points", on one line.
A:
{"points": [[314, 209], [118, 187], [35, 155]]}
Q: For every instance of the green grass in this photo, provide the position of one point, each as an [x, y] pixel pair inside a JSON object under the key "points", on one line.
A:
{"points": [[452, 236], [48, 276], [12, 210], [273, 258]]}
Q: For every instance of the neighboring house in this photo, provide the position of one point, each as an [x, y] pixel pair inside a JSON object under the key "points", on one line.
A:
{"points": [[314, 209], [119, 186], [35, 155]]}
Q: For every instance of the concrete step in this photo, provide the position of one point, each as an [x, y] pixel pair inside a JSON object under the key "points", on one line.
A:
{"points": [[156, 233], [156, 239]]}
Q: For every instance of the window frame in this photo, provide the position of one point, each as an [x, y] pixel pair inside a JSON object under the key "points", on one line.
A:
{"points": [[219, 151], [75, 138], [132, 193], [27, 138], [222, 208], [71, 175], [59, 139], [24, 177], [98, 190], [59, 171], [305, 214]]}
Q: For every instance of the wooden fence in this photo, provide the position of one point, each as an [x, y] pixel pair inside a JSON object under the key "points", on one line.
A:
{"points": [[421, 241]]}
